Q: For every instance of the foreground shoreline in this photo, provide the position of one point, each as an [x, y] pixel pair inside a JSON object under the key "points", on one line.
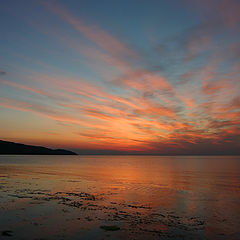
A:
{"points": [[114, 220]]}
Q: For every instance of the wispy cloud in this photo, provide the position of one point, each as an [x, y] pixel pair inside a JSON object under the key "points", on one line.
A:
{"points": [[2, 72]]}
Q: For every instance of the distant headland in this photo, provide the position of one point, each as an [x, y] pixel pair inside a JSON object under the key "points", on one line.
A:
{"points": [[18, 148]]}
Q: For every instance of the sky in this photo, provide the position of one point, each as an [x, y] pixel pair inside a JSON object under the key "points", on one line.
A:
{"points": [[129, 76]]}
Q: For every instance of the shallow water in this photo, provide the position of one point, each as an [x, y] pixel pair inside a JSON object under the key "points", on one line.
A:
{"points": [[143, 197]]}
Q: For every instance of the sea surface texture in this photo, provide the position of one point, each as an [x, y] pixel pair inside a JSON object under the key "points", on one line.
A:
{"points": [[119, 197]]}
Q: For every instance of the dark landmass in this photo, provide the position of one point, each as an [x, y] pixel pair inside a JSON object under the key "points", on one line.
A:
{"points": [[7, 147], [18, 148]]}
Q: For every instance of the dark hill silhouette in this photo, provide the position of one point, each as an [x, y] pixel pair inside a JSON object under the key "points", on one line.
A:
{"points": [[18, 148]]}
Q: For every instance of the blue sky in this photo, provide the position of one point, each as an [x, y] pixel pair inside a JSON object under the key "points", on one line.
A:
{"points": [[128, 76]]}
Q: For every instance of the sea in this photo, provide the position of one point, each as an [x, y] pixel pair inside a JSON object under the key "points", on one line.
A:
{"points": [[119, 197]]}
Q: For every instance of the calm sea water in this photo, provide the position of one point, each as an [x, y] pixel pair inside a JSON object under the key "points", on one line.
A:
{"points": [[143, 197]]}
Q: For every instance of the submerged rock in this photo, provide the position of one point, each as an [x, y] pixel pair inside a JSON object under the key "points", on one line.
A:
{"points": [[110, 228], [7, 233]]}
